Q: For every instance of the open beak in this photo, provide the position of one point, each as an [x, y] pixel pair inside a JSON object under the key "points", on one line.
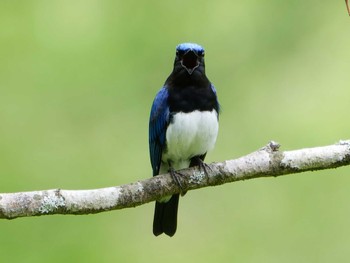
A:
{"points": [[190, 61]]}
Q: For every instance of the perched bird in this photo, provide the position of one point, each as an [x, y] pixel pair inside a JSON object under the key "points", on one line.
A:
{"points": [[183, 126]]}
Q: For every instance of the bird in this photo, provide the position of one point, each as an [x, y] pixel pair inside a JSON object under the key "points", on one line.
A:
{"points": [[183, 126]]}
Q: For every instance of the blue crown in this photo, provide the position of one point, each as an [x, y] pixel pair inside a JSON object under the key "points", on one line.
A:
{"points": [[189, 46]]}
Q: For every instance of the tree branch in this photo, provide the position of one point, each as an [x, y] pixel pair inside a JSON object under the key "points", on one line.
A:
{"points": [[266, 162]]}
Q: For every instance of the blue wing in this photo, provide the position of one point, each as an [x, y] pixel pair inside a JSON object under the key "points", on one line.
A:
{"points": [[158, 124], [213, 88], [217, 107]]}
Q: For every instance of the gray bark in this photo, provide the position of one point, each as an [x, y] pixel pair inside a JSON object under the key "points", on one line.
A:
{"points": [[266, 162]]}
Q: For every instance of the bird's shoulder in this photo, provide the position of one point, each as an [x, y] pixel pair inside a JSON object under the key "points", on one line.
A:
{"points": [[160, 103], [159, 116]]}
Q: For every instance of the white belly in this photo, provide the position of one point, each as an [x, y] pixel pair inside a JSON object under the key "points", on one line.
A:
{"points": [[189, 135]]}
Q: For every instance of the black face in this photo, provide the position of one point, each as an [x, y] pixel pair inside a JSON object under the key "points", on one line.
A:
{"points": [[190, 59]]}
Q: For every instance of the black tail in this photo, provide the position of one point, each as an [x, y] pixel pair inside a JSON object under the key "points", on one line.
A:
{"points": [[165, 217]]}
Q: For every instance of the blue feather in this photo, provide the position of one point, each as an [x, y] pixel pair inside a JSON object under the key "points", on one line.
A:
{"points": [[189, 46], [213, 88], [159, 121], [218, 104]]}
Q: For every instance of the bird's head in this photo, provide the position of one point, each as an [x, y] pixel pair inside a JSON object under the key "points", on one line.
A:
{"points": [[190, 56]]}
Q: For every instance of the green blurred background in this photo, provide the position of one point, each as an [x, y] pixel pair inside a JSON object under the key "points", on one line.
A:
{"points": [[77, 79]]}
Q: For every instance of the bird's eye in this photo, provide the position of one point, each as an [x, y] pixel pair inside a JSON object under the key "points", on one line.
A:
{"points": [[201, 53], [180, 53]]}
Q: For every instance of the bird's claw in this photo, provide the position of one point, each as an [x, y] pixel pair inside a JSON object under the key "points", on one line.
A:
{"points": [[203, 166], [177, 178]]}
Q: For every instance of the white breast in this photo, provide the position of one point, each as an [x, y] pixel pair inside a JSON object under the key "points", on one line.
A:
{"points": [[189, 135]]}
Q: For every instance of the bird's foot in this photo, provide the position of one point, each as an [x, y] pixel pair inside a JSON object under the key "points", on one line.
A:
{"points": [[203, 166], [177, 178]]}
